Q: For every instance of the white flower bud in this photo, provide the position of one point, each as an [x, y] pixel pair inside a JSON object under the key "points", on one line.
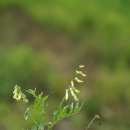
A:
{"points": [[81, 66], [76, 90], [66, 95], [72, 83], [72, 92], [25, 100], [80, 73], [75, 98], [78, 80]]}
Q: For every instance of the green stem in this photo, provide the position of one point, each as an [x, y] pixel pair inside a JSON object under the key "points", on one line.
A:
{"points": [[34, 120], [49, 128], [61, 102], [96, 117]]}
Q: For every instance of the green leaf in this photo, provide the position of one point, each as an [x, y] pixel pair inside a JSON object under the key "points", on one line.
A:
{"points": [[65, 110], [34, 128], [77, 107], [41, 127], [32, 92], [40, 104], [40, 95], [57, 115]]}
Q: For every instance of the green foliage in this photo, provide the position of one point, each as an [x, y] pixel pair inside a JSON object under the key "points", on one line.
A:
{"points": [[66, 111], [25, 66], [72, 16], [116, 86], [98, 32], [102, 27], [93, 106], [39, 105]]}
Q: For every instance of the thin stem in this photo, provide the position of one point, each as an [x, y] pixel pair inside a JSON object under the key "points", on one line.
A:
{"points": [[34, 120], [49, 128], [61, 102], [96, 117]]}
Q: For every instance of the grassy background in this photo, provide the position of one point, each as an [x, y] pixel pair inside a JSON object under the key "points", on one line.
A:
{"points": [[42, 40]]}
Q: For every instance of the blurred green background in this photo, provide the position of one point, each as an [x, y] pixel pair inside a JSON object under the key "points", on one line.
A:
{"points": [[43, 42]]}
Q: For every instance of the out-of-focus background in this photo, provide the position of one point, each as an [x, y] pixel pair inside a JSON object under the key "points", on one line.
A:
{"points": [[43, 42]]}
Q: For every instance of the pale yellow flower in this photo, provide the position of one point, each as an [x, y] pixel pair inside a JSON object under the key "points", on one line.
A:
{"points": [[80, 73], [72, 83], [81, 66], [66, 95], [18, 95], [75, 98], [78, 80], [73, 94], [76, 90]]}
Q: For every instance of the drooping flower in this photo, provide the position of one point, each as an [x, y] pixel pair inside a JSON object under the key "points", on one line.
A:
{"points": [[81, 66], [80, 73], [76, 90], [72, 89], [75, 98], [66, 95], [72, 83], [18, 95], [73, 94], [78, 80]]}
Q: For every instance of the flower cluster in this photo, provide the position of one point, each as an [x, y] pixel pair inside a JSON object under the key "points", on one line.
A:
{"points": [[77, 79], [65, 108], [18, 95]]}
